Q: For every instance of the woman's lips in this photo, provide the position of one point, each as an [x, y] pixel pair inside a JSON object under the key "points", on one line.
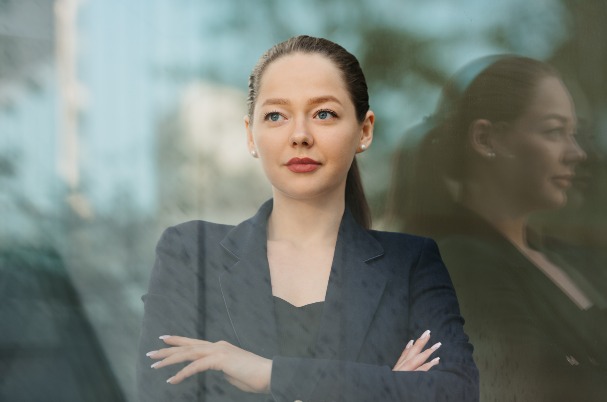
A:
{"points": [[563, 181], [302, 165]]}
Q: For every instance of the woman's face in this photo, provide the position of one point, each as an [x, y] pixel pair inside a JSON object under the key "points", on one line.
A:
{"points": [[304, 127], [538, 152]]}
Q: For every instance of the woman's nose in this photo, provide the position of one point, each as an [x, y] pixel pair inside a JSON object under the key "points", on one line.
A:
{"points": [[301, 135], [575, 153]]}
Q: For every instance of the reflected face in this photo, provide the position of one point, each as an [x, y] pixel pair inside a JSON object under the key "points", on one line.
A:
{"points": [[304, 128], [539, 149]]}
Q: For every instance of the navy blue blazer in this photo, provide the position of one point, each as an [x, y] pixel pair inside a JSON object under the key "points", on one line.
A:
{"points": [[212, 282]]}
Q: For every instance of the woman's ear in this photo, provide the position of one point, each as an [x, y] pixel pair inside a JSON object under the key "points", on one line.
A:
{"points": [[480, 138], [250, 140], [366, 137]]}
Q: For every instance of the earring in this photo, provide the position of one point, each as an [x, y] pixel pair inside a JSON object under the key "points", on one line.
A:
{"points": [[254, 153], [363, 147], [491, 155]]}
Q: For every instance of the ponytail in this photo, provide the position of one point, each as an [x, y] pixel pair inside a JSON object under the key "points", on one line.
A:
{"points": [[355, 197]]}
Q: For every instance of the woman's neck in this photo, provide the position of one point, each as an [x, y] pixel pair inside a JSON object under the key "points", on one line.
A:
{"points": [[499, 212], [503, 215], [305, 221]]}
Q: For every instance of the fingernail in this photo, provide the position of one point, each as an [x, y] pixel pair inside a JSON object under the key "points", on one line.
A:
{"points": [[435, 360], [155, 364], [409, 344], [436, 346], [152, 353], [425, 334], [164, 337], [170, 380]]}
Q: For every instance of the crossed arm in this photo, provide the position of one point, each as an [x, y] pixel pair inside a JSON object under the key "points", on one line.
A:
{"points": [[250, 372]]}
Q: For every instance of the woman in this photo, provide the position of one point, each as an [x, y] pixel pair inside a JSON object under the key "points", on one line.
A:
{"points": [[501, 150], [302, 301]]}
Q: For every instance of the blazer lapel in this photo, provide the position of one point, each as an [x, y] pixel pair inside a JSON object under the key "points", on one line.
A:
{"points": [[246, 287], [354, 291]]}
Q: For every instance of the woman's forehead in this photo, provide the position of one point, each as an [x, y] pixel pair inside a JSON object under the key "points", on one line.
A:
{"points": [[302, 72], [551, 99]]}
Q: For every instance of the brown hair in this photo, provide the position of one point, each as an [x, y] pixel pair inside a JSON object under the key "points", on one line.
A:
{"points": [[498, 88], [356, 86], [500, 93]]}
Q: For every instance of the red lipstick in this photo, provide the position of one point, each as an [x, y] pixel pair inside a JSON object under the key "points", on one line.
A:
{"points": [[302, 165]]}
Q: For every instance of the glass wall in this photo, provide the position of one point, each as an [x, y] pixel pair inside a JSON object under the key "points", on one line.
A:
{"points": [[118, 119]]}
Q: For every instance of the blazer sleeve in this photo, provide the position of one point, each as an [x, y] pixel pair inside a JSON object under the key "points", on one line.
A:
{"points": [[170, 307], [432, 305]]}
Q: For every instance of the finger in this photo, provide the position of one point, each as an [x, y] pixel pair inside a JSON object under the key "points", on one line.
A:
{"points": [[429, 365], [174, 341], [166, 352], [420, 343], [416, 348], [416, 361], [405, 354], [423, 357], [180, 340], [406, 351], [412, 349], [197, 366], [183, 354]]}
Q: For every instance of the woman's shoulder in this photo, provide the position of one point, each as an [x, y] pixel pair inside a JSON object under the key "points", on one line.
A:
{"points": [[466, 243], [397, 243], [398, 238], [484, 264], [193, 233], [197, 225]]}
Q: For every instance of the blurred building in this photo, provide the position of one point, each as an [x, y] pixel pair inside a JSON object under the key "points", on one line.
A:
{"points": [[28, 129], [205, 170], [83, 85]]}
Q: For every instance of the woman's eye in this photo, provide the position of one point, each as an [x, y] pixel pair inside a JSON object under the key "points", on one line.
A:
{"points": [[325, 114], [272, 116], [554, 132]]}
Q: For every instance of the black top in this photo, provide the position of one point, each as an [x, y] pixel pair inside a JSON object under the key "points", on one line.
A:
{"points": [[297, 327]]}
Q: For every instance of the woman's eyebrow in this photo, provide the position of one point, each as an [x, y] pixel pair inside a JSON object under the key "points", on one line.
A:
{"points": [[312, 101], [555, 116], [323, 99], [276, 101]]}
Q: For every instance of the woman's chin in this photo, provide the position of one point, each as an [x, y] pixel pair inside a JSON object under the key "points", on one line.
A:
{"points": [[557, 201], [548, 201]]}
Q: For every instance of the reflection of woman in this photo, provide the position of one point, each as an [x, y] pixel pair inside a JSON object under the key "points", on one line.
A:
{"points": [[301, 301], [505, 149]]}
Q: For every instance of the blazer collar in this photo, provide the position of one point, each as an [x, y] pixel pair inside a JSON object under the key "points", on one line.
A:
{"points": [[246, 288], [354, 290], [248, 236]]}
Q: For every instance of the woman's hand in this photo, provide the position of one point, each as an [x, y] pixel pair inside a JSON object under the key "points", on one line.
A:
{"points": [[245, 370], [413, 359]]}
